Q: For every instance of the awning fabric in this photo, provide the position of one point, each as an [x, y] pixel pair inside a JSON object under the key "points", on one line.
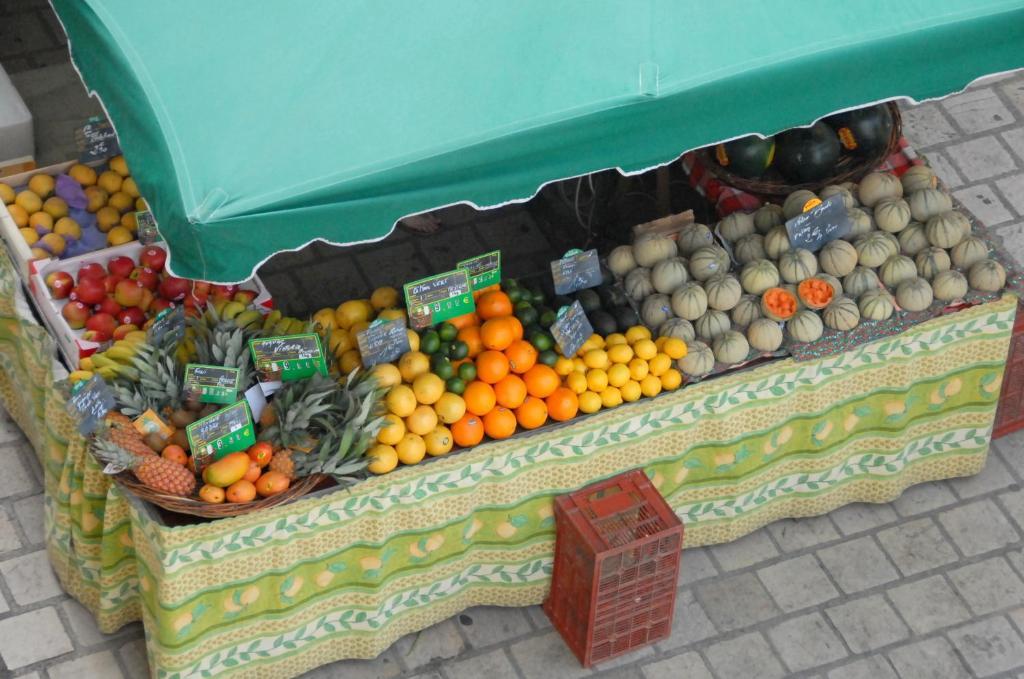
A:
{"points": [[257, 126]]}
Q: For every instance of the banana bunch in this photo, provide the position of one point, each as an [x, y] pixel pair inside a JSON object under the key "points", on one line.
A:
{"points": [[112, 363], [273, 324]]}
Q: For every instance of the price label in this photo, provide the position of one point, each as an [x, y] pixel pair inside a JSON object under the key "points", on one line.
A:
{"points": [[169, 324], [571, 329], [97, 140], [226, 431], [89, 403], [821, 223], [286, 358], [484, 271], [577, 270], [147, 229], [438, 298], [383, 342], [211, 383]]}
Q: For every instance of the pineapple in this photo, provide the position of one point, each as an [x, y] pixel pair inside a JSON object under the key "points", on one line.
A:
{"points": [[222, 342], [283, 462], [162, 475], [159, 384], [121, 432], [299, 408]]}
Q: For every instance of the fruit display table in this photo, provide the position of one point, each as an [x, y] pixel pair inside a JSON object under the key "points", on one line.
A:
{"points": [[344, 573]]}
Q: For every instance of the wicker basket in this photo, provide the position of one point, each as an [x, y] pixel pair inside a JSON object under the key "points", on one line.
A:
{"points": [[772, 184]]}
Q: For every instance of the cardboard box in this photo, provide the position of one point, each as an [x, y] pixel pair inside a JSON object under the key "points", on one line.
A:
{"points": [[69, 341]]}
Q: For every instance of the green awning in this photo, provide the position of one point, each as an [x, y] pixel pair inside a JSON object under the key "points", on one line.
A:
{"points": [[255, 126]]}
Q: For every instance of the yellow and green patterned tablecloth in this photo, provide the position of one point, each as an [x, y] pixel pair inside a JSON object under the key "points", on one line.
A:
{"points": [[345, 574]]}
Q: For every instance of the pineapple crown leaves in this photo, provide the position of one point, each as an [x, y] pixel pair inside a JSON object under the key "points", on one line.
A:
{"points": [[300, 408], [115, 458], [342, 449]]}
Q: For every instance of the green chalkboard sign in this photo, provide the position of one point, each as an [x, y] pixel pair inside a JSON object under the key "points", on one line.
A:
{"points": [[484, 270], [438, 298], [288, 357], [211, 383], [226, 431]]}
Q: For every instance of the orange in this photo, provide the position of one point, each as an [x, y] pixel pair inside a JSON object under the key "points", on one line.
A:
{"points": [[563, 404], [498, 333], [479, 397], [175, 454], [241, 491], [491, 366], [493, 304], [471, 336], [500, 423], [468, 431], [541, 380], [532, 414], [521, 356], [465, 321], [484, 291], [517, 327], [260, 453], [510, 391]]}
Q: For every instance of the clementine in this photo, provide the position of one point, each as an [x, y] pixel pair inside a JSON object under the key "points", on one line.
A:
{"points": [[491, 366], [532, 413], [175, 454], [498, 333], [521, 356], [510, 391], [541, 380], [500, 423], [517, 327], [471, 336], [563, 404], [468, 431], [479, 397], [493, 304], [465, 320]]}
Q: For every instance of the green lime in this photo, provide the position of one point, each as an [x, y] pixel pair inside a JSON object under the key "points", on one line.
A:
{"points": [[514, 294], [430, 342], [509, 284], [541, 341], [438, 360], [527, 315], [447, 332], [536, 297], [459, 350], [547, 318], [467, 372], [444, 370], [444, 348], [456, 385], [547, 357]]}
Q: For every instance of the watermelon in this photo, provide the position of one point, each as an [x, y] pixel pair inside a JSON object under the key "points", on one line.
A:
{"points": [[807, 154], [865, 131], [747, 156]]}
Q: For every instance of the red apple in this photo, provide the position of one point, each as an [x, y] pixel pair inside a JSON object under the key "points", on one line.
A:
{"points": [[97, 336], [147, 299], [122, 330], [109, 306], [60, 284], [173, 288], [128, 292], [153, 257], [159, 304], [102, 322], [110, 283], [76, 314], [89, 291], [133, 315], [149, 278], [121, 266], [245, 296], [226, 292], [92, 270]]}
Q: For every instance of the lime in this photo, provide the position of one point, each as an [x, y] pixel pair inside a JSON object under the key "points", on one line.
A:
{"points": [[536, 296], [467, 372], [430, 342], [547, 317], [458, 351], [526, 314], [514, 294], [547, 357], [444, 370], [509, 284], [444, 348], [456, 385], [438, 360], [541, 341], [447, 332]]}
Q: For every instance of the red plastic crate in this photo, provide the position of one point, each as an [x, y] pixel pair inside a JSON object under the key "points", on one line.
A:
{"points": [[617, 552], [1010, 414]]}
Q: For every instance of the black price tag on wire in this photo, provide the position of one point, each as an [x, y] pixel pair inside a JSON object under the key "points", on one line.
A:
{"points": [[820, 222], [571, 329], [97, 140], [168, 323], [577, 270], [89, 403], [383, 342]]}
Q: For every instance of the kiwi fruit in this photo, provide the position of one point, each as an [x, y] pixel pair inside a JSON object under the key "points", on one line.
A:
{"points": [[180, 438], [182, 418], [209, 409], [155, 441]]}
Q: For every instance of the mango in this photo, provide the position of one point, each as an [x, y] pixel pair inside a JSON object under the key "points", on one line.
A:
{"points": [[227, 470]]}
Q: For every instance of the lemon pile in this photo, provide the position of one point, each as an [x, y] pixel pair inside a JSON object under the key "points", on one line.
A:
{"points": [[622, 368], [340, 326]]}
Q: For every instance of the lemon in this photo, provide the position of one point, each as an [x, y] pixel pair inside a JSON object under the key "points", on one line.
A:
{"points": [[660, 342], [392, 314], [30, 236], [130, 187], [339, 343], [611, 397], [674, 347], [659, 364], [41, 221], [671, 379], [577, 382], [401, 400], [439, 441], [141, 205], [384, 298], [352, 311], [6, 194], [325, 319], [618, 375], [106, 218], [631, 391], [422, 421], [450, 408], [121, 201], [637, 333], [29, 201], [355, 329], [564, 366], [590, 402], [83, 174], [650, 386], [392, 431], [595, 341], [597, 380], [412, 364], [596, 358], [42, 185], [129, 222], [55, 243], [386, 374], [118, 165], [645, 349], [69, 228], [109, 181], [638, 369], [97, 198], [411, 449], [19, 215], [385, 458], [349, 361], [578, 365], [615, 339], [414, 339], [620, 353], [428, 388]]}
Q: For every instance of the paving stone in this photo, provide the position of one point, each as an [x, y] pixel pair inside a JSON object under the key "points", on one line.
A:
{"points": [[981, 158], [30, 578], [927, 125], [861, 516], [1012, 189], [10, 432], [428, 675], [929, 659], [917, 546], [978, 527], [792, 592], [923, 498], [857, 565], [747, 551], [493, 665], [867, 624], [382, 667], [538, 617], [133, 656], [989, 646], [794, 535], [1015, 140], [441, 641], [31, 637], [988, 586], [488, 625], [737, 601], [3, 604], [945, 169], [687, 665], [29, 511], [689, 623], [17, 479], [9, 540], [1012, 236], [806, 642], [100, 664], [748, 656], [978, 110], [994, 476], [928, 605], [82, 624], [1014, 91], [695, 565], [872, 667], [546, 656], [981, 201]]}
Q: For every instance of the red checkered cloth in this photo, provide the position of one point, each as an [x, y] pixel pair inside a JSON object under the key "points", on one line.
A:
{"points": [[728, 199]]}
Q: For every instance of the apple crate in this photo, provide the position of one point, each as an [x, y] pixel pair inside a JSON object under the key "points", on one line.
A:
{"points": [[617, 551], [73, 347], [1010, 413]]}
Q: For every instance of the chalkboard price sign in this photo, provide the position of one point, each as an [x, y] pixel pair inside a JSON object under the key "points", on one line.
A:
{"points": [[146, 227], [89, 404], [825, 221], [211, 383], [438, 298], [577, 270], [226, 431], [97, 140], [170, 321], [383, 342], [484, 270], [571, 329], [289, 357]]}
